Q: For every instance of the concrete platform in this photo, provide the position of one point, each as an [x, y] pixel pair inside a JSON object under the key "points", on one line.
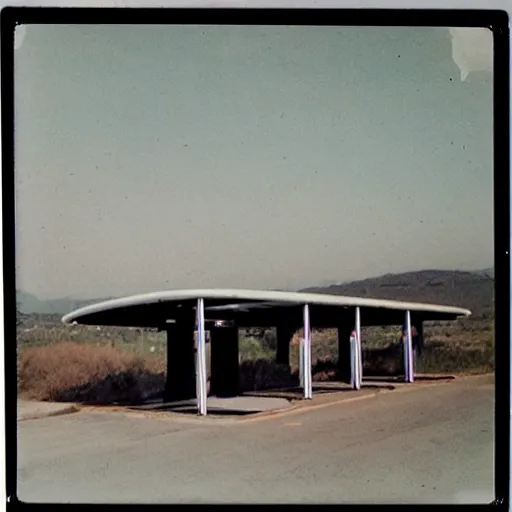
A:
{"points": [[236, 406], [31, 410]]}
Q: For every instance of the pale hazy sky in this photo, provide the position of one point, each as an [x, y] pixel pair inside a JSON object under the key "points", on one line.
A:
{"points": [[161, 157]]}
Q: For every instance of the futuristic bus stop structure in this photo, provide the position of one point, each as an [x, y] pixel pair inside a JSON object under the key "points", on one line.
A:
{"points": [[183, 312]]}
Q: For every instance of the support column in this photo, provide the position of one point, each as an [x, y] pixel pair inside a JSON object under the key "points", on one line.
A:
{"points": [[357, 357], [308, 385], [408, 355], [201, 382], [180, 381], [225, 380], [419, 342], [344, 331], [284, 335], [301, 362]]}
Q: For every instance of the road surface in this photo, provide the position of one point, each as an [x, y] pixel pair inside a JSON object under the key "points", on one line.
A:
{"points": [[424, 444]]}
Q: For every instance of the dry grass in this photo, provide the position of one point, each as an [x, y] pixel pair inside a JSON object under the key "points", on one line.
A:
{"points": [[78, 372]]}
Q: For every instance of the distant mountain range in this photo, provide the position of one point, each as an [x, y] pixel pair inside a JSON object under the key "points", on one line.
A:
{"points": [[29, 303], [472, 290]]}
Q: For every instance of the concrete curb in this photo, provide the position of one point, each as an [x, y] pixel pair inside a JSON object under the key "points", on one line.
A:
{"points": [[253, 417], [417, 385], [39, 415], [474, 376], [294, 409]]}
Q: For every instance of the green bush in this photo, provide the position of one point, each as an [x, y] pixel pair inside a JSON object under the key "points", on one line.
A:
{"points": [[252, 349]]}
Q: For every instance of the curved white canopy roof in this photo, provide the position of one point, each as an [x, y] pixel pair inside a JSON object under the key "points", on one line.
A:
{"points": [[248, 300]]}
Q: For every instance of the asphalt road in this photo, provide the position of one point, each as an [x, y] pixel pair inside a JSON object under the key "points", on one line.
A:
{"points": [[424, 445]]}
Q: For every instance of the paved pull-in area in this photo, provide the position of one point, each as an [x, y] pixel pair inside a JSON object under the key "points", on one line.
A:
{"points": [[417, 444]]}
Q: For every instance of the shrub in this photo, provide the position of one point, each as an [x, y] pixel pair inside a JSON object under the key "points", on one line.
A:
{"points": [[383, 361], [84, 373], [325, 370], [253, 349], [264, 374], [455, 359]]}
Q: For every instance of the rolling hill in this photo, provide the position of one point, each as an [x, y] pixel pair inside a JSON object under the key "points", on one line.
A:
{"points": [[472, 290]]}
